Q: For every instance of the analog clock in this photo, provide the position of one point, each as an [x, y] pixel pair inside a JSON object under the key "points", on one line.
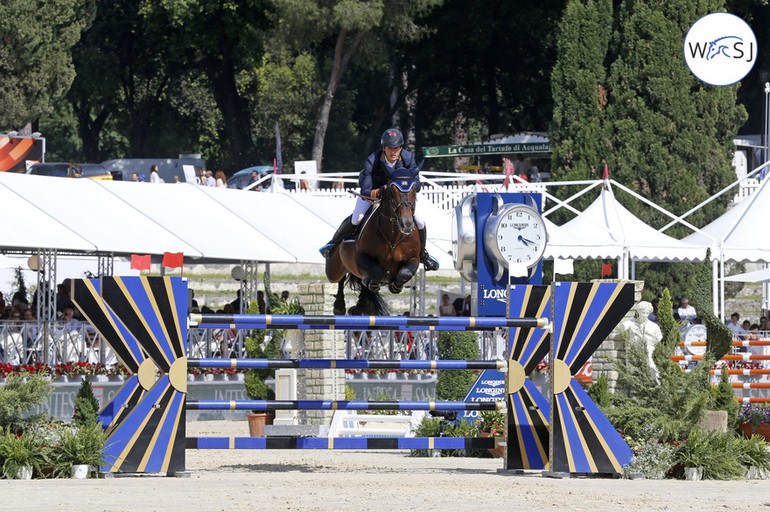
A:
{"points": [[464, 238], [514, 238]]}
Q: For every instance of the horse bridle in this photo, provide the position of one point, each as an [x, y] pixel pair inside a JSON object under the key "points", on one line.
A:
{"points": [[403, 185]]}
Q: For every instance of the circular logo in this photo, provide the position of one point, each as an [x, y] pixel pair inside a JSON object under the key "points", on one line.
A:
{"points": [[432, 151], [720, 48]]}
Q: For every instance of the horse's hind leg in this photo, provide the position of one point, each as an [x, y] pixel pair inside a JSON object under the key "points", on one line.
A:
{"points": [[404, 275], [339, 299]]}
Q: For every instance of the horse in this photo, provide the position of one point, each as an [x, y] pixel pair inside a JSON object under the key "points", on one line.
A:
{"points": [[385, 253]]}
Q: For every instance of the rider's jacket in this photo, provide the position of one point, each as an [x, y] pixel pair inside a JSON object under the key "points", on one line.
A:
{"points": [[377, 174]]}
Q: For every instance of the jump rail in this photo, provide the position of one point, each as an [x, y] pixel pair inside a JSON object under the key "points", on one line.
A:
{"points": [[349, 364], [344, 405], [364, 322]]}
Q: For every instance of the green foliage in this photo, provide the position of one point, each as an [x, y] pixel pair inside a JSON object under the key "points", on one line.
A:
{"points": [[492, 422], [86, 405], [723, 399], [35, 55], [17, 452], [18, 396], [715, 452], [719, 338], [350, 394], [599, 391], [454, 385], [653, 459], [429, 427], [83, 446]]}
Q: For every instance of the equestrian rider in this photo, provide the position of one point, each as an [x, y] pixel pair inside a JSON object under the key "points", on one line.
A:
{"points": [[378, 169]]}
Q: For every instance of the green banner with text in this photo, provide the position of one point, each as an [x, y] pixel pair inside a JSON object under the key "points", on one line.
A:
{"points": [[486, 149]]}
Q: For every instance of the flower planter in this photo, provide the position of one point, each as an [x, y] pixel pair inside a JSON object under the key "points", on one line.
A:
{"points": [[257, 422], [693, 474], [499, 451], [761, 429], [24, 473], [61, 378], [80, 471], [115, 378], [100, 378]]}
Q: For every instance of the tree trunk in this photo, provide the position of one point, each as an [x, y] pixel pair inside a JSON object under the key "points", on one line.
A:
{"points": [[341, 57], [234, 108], [460, 128]]}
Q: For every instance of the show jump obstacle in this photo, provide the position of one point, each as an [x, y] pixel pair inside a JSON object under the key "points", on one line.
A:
{"points": [[144, 320]]}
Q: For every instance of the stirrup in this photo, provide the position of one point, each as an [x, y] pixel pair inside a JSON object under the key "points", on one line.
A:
{"points": [[429, 261]]}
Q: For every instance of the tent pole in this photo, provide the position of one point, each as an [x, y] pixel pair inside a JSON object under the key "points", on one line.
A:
{"points": [[714, 286], [722, 283], [633, 270]]}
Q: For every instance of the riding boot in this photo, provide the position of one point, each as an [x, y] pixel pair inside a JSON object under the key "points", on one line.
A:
{"points": [[425, 258], [346, 229]]}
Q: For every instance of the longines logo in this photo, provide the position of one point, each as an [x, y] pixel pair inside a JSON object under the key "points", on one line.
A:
{"points": [[720, 48]]}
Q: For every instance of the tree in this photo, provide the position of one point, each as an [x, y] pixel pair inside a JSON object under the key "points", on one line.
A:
{"points": [[578, 130], [373, 25], [35, 59]]}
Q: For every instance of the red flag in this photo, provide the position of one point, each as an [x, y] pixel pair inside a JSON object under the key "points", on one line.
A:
{"points": [[606, 174], [606, 269], [174, 260], [139, 262]]}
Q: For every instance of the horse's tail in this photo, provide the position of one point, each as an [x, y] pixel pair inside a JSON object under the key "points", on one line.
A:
{"points": [[374, 300]]}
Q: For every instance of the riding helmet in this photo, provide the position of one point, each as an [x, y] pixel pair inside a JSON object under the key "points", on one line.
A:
{"points": [[392, 138]]}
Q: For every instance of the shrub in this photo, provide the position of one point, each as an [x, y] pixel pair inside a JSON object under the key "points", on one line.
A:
{"points": [[429, 427], [455, 384], [86, 405], [19, 395]]}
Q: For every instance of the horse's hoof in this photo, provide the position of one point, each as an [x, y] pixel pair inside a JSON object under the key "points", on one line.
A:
{"points": [[367, 281], [395, 289], [355, 310], [339, 311]]}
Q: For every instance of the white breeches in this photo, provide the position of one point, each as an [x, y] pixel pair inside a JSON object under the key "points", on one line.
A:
{"points": [[359, 210]]}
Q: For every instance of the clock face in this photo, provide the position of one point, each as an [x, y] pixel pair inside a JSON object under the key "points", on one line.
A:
{"points": [[520, 235]]}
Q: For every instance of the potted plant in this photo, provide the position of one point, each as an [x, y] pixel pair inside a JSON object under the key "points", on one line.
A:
{"points": [[754, 419], [82, 448], [18, 455], [492, 424], [254, 381]]}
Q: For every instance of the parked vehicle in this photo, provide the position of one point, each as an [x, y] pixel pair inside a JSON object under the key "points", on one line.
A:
{"points": [[241, 179], [186, 168], [71, 170]]}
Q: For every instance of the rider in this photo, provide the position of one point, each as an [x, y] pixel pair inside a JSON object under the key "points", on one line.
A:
{"points": [[378, 169]]}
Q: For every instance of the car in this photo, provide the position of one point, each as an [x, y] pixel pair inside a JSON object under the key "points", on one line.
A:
{"points": [[71, 170], [241, 179]]}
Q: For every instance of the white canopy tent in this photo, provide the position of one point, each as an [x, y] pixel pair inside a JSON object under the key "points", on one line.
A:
{"points": [[122, 218], [609, 230]]}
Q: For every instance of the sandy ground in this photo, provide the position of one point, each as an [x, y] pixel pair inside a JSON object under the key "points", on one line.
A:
{"points": [[389, 481]]}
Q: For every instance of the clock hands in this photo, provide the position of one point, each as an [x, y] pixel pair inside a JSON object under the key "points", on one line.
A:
{"points": [[526, 241]]}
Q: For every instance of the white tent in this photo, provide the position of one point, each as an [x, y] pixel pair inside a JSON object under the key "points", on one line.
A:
{"points": [[756, 276], [739, 234], [122, 218], [609, 228]]}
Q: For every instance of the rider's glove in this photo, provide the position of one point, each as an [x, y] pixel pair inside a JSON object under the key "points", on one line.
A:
{"points": [[378, 192]]}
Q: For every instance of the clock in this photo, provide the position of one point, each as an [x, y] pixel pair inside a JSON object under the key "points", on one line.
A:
{"points": [[696, 332], [514, 238], [464, 238]]}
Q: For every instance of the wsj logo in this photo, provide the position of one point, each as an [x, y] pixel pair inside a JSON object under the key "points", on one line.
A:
{"points": [[720, 49], [495, 294], [731, 47]]}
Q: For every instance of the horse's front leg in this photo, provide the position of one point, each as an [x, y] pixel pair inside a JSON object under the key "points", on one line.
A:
{"points": [[371, 271], [406, 273]]}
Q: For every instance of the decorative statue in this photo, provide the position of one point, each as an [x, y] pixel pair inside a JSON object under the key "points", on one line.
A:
{"points": [[642, 330]]}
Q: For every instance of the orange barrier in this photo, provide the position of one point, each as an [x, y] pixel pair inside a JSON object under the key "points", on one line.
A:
{"points": [[745, 371], [753, 400], [744, 343], [729, 357], [750, 385]]}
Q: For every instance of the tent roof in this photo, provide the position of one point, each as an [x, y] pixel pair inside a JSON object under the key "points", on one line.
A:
{"points": [[608, 228], [756, 276], [739, 230], [87, 216]]}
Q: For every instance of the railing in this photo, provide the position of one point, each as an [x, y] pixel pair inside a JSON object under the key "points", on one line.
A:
{"points": [[25, 342]]}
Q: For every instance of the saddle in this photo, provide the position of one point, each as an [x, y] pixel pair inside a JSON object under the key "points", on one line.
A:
{"points": [[353, 236]]}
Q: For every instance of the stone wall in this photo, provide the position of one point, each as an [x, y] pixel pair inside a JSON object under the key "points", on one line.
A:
{"points": [[614, 347], [312, 384]]}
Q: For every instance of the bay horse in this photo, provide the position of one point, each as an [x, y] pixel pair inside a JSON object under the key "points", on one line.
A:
{"points": [[385, 253]]}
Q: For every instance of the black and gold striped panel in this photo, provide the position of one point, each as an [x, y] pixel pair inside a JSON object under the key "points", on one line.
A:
{"points": [[582, 439], [527, 411]]}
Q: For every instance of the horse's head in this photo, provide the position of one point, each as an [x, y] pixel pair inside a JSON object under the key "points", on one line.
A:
{"points": [[399, 200]]}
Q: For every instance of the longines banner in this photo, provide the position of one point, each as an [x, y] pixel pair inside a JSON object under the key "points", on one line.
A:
{"points": [[486, 149]]}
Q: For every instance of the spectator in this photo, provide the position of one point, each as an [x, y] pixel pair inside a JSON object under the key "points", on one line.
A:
{"points": [[254, 178], [210, 181], [686, 311], [154, 176], [735, 327], [285, 296], [653, 317], [134, 177], [261, 302], [3, 312], [235, 306], [221, 179], [446, 308]]}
